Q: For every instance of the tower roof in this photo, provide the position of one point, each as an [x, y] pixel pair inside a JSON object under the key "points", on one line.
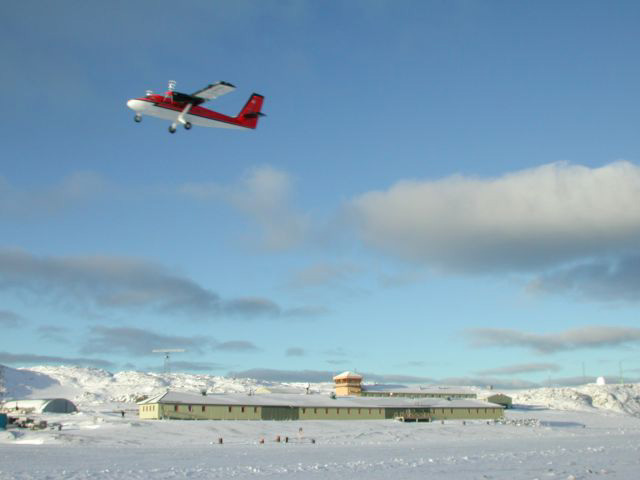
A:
{"points": [[347, 375]]}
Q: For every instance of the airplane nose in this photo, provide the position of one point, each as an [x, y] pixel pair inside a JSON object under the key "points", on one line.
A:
{"points": [[137, 105]]}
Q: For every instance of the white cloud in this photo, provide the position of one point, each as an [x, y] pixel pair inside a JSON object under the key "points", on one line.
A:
{"points": [[264, 195], [522, 221]]}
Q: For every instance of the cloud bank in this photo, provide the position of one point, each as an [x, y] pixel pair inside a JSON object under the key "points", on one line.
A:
{"points": [[126, 284], [31, 359], [524, 221], [139, 342], [608, 279], [523, 368], [10, 319], [72, 190], [574, 339]]}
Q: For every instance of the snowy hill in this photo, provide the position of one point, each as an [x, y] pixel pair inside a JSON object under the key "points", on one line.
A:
{"points": [[616, 398], [93, 386]]}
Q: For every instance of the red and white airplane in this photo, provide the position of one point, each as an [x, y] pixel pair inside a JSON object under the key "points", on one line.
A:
{"points": [[185, 109]]}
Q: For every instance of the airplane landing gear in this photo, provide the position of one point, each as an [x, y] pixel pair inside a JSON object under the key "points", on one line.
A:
{"points": [[187, 126], [137, 118], [172, 129]]}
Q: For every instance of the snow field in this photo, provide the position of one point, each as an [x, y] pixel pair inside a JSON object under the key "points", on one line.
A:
{"points": [[590, 432]]}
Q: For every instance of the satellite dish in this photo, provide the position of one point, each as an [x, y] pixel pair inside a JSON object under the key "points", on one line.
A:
{"points": [[601, 381]]}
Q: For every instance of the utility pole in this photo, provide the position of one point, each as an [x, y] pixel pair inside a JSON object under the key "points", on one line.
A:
{"points": [[584, 376]]}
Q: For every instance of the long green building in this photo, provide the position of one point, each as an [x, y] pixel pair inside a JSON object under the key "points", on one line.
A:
{"points": [[187, 406]]}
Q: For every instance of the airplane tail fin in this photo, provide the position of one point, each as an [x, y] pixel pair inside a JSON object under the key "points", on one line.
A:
{"points": [[248, 116]]}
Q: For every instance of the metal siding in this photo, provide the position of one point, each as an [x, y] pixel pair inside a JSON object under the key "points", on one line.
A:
{"points": [[348, 413], [253, 412], [280, 413]]}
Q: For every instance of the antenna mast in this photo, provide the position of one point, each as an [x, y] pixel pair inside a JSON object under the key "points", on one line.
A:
{"points": [[167, 356]]}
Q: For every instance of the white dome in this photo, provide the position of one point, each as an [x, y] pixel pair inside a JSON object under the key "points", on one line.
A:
{"points": [[601, 381]]}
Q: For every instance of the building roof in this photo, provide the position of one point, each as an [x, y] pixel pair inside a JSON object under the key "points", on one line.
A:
{"points": [[347, 374], [39, 405], [312, 400], [433, 389]]}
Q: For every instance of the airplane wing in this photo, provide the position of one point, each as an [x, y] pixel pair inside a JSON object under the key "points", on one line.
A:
{"points": [[213, 90]]}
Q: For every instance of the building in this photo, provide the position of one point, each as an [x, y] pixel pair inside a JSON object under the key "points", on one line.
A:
{"points": [[500, 399], [348, 383], [45, 405], [450, 393], [186, 406]]}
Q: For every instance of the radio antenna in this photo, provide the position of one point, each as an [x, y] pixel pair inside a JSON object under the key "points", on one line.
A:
{"points": [[167, 356]]}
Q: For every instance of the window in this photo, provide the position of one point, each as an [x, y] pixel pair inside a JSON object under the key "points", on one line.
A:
{"points": [[203, 407], [369, 411], [348, 411], [380, 411], [359, 411], [189, 407], [255, 409], [230, 408], [326, 411], [242, 409], [175, 408], [338, 411], [304, 410]]}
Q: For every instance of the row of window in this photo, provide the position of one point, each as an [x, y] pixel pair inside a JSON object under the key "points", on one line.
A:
{"points": [[148, 408], [326, 410], [442, 410], [203, 408], [244, 409]]}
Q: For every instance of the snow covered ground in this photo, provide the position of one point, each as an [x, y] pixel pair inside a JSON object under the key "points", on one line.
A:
{"points": [[588, 432]]}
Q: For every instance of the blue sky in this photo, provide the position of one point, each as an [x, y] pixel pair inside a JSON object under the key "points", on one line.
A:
{"points": [[446, 191]]}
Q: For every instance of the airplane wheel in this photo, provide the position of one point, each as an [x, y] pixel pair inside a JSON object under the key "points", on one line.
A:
{"points": [[187, 126], [137, 118], [172, 129]]}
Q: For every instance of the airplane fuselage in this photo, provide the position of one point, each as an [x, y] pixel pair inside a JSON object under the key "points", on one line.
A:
{"points": [[163, 106]]}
